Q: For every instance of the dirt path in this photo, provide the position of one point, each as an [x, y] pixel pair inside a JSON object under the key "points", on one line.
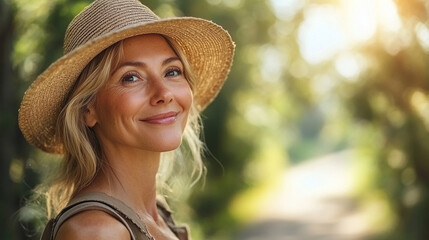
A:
{"points": [[313, 202]]}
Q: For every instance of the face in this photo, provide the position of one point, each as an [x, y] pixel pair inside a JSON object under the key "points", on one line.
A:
{"points": [[145, 103]]}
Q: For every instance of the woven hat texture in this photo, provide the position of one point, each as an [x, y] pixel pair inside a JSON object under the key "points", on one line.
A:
{"points": [[207, 46]]}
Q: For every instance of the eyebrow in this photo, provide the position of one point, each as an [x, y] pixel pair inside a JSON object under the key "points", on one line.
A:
{"points": [[142, 64]]}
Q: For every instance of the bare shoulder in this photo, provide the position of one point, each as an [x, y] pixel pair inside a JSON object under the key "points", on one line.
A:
{"points": [[92, 225]]}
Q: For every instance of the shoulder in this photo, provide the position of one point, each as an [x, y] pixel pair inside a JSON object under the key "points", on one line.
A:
{"points": [[92, 225]]}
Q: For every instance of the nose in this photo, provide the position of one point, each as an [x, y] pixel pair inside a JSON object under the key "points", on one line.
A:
{"points": [[161, 94]]}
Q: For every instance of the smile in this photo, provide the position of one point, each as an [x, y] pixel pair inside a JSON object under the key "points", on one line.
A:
{"points": [[163, 118]]}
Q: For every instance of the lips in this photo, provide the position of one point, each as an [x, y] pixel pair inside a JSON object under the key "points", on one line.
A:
{"points": [[163, 118]]}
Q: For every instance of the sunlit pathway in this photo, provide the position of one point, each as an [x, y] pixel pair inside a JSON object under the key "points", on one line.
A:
{"points": [[313, 202]]}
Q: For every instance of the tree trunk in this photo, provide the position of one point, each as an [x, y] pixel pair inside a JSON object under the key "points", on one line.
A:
{"points": [[8, 112]]}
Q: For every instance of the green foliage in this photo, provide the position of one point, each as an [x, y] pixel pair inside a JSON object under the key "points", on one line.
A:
{"points": [[390, 97], [276, 109]]}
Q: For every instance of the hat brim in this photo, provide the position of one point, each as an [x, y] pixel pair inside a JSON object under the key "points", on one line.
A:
{"points": [[207, 46]]}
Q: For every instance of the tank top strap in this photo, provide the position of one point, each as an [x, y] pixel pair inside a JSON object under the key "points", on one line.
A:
{"points": [[182, 232], [117, 209], [85, 206], [102, 202], [117, 205]]}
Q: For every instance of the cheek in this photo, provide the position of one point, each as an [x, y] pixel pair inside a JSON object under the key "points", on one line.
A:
{"points": [[117, 104], [186, 97], [105, 104]]}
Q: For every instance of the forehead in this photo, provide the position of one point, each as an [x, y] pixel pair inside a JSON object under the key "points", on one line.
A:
{"points": [[147, 44]]}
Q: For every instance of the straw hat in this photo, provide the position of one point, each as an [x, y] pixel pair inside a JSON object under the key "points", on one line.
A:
{"points": [[207, 46]]}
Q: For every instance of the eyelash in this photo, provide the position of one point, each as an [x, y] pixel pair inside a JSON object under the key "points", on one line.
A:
{"points": [[173, 69], [126, 76]]}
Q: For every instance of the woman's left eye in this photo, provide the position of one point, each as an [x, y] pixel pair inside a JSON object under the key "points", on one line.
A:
{"points": [[173, 72]]}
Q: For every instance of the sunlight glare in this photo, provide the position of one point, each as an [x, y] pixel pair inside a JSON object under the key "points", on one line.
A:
{"points": [[348, 65], [286, 9], [422, 32], [272, 63], [360, 18], [329, 29], [320, 35], [388, 17], [363, 17], [420, 103]]}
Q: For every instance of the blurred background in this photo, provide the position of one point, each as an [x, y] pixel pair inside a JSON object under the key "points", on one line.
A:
{"points": [[321, 131]]}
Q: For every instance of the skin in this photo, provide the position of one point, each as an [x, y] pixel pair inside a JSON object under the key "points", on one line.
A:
{"points": [[140, 112]]}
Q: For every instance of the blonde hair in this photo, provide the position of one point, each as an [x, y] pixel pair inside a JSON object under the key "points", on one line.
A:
{"points": [[82, 153]]}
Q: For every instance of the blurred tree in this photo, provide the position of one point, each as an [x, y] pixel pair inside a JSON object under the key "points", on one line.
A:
{"points": [[30, 29], [7, 123], [385, 104], [392, 96]]}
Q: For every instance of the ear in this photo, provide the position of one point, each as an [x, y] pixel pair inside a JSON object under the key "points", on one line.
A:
{"points": [[90, 116]]}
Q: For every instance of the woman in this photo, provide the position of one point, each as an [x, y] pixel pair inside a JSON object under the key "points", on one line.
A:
{"points": [[122, 106]]}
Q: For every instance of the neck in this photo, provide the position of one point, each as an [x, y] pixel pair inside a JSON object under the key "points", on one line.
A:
{"points": [[130, 176]]}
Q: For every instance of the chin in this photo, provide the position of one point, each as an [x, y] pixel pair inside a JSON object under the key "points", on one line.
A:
{"points": [[167, 146]]}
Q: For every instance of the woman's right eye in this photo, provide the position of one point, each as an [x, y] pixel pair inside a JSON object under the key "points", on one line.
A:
{"points": [[132, 77]]}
